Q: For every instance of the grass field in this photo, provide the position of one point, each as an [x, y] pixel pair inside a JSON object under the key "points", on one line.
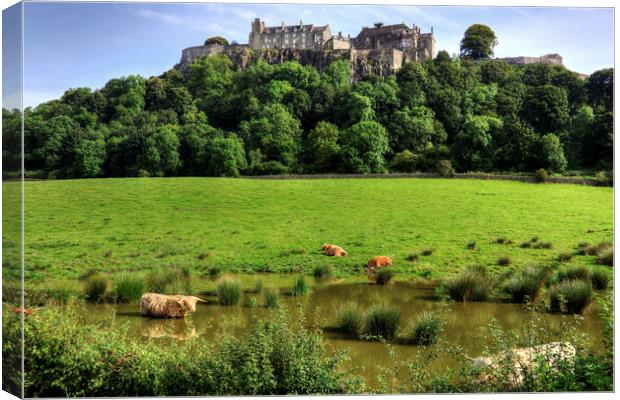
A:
{"points": [[279, 225]]}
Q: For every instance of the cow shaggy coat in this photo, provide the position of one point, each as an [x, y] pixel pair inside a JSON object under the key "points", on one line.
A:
{"points": [[166, 306], [333, 250]]}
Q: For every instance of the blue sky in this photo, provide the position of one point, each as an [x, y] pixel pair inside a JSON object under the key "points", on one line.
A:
{"points": [[86, 44]]}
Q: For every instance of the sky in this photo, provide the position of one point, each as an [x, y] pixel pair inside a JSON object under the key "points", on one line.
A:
{"points": [[69, 45]]}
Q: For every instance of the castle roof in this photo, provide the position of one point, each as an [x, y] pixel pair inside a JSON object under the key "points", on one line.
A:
{"points": [[295, 28], [380, 29]]}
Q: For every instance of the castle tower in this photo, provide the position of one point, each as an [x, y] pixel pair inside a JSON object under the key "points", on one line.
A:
{"points": [[258, 27]]}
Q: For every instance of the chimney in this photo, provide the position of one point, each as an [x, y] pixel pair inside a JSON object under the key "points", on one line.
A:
{"points": [[431, 30]]}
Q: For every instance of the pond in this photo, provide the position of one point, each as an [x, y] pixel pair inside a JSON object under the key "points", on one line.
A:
{"points": [[465, 322]]}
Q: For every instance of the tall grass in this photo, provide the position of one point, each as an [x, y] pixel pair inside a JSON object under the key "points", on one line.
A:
{"points": [[600, 278], [525, 284], [571, 296], [573, 273], [300, 288], [271, 298], [350, 319], [383, 276], [323, 271], [471, 284], [61, 293], [169, 281], [228, 292], [96, 287], [382, 321], [427, 328], [128, 287]]}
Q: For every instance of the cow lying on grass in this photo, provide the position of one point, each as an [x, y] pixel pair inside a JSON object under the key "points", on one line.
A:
{"points": [[333, 250], [520, 362], [166, 306]]}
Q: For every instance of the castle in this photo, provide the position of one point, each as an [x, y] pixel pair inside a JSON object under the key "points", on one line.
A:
{"points": [[381, 49]]}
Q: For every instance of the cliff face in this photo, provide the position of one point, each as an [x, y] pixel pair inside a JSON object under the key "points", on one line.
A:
{"points": [[555, 59], [380, 62]]}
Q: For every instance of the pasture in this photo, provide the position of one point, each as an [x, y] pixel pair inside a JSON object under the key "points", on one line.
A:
{"points": [[248, 226]]}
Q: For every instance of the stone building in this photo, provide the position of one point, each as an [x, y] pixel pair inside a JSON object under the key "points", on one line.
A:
{"points": [[415, 44], [303, 37]]}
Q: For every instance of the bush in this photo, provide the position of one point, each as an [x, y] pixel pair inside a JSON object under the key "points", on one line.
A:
{"points": [[382, 321], [501, 240], [383, 276], [573, 273], [350, 319], [412, 257], [605, 178], [471, 284], [541, 175], [169, 281], [214, 272], [300, 288], [427, 252], [427, 329], [142, 173], [571, 296], [96, 287], [525, 245], [504, 261], [563, 257], [599, 278], [525, 285], [323, 271], [228, 292], [128, 287], [444, 168], [216, 40], [606, 257], [471, 245], [543, 245], [405, 161], [61, 293], [271, 298]]}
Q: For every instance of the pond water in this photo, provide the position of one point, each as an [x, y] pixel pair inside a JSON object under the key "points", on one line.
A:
{"points": [[465, 321]]}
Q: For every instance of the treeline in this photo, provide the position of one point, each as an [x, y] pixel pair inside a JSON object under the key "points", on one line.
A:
{"points": [[288, 118]]}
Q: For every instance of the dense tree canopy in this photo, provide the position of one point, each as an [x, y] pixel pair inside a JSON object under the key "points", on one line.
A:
{"points": [[478, 42], [288, 118]]}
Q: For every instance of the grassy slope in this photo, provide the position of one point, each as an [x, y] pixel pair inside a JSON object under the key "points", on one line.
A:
{"points": [[132, 224]]}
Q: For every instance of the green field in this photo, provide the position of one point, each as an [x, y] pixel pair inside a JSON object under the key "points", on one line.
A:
{"points": [[244, 225]]}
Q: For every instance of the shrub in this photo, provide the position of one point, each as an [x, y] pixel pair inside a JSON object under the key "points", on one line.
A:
{"points": [[471, 284], [427, 252], [350, 319], [96, 287], [323, 271], [405, 161], [605, 178], [271, 298], [142, 173], [128, 287], [471, 245], [427, 329], [534, 239], [501, 240], [543, 245], [445, 169], [300, 288], [61, 293], [525, 245], [599, 278], [216, 40], [541, 175], [169, 281], [571, 296], [525, 285], [606, 257], [504, 261], [382, 321], [214, 272], [573, 273], [563, 257], [228, 292], [383, 276], [412, 257]]}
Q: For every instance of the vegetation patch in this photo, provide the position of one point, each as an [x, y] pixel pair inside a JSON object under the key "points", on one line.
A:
{"points": [[128, 287], [572, 296], [228, 292], [471, 284], [323, 271], [350, 319], [525, 285], [427, 328], [383, 276], [95, 288], [300, 288], [271, 298], [382, 322]]}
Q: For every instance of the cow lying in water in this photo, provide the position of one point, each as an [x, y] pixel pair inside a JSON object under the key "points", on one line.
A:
{"points": [[167, 306], [521, 361]]}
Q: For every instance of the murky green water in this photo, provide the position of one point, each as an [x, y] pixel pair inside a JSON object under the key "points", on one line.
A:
{"points": [[465, 321]]}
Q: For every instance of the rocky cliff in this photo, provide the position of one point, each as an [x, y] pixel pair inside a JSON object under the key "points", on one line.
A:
{"points": [[362, 62]]}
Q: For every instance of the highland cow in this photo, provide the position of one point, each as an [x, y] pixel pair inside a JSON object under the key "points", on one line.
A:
{"points": [[333, 250], [165, 306]]}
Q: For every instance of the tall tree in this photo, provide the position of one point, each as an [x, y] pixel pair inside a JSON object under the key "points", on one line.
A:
{"points": [[478, 42]]}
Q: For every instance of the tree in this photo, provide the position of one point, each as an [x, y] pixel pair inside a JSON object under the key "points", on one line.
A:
{"points": [[472, 146], [414, 129], [160, 154], [227, 156], [216, 40], [552, 157], [546, 108], [478, 42], [364, 146], [275, 132], [337, 74], [412, 80], [322, 147], [600, 88]]}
